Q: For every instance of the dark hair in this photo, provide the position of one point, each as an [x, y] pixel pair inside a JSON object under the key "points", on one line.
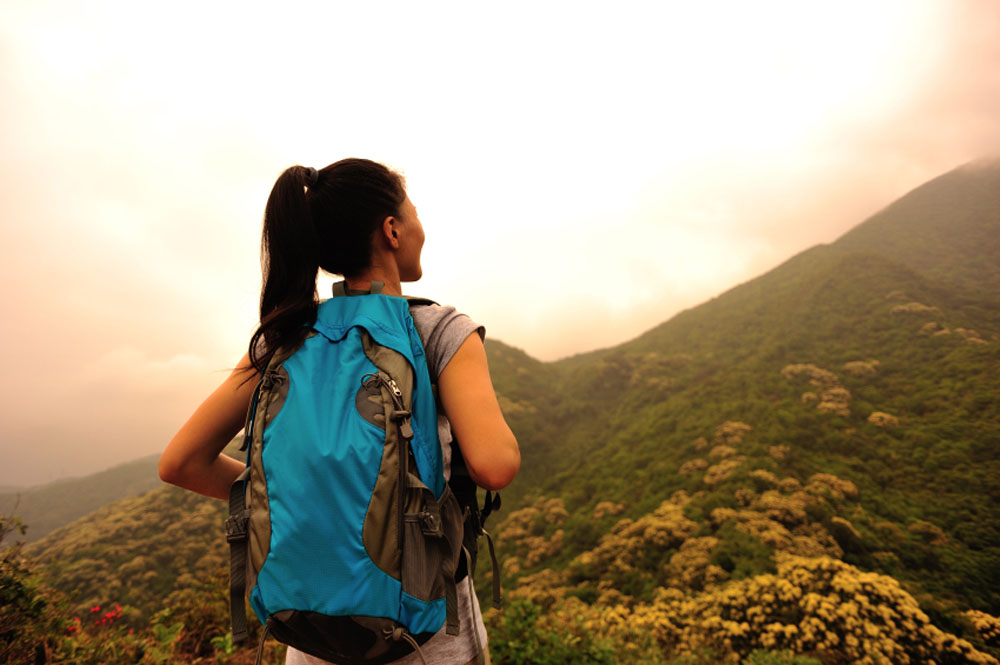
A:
{"points": [[328, 224]]}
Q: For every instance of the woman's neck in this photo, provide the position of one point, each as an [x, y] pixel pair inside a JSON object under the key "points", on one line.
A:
{"points": [[363, 281]]}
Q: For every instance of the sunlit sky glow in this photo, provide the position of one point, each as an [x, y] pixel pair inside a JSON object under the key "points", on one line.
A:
{"points": [[583, 171]]}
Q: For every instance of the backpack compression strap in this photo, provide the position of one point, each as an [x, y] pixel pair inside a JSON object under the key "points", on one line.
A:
{"points": [[236, 534]]}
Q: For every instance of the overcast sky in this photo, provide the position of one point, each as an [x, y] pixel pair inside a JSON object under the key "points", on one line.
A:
{"points": [[583, 170]]}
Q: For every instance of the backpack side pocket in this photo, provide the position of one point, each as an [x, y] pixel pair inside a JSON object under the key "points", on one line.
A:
{"points": [[432, 544]]}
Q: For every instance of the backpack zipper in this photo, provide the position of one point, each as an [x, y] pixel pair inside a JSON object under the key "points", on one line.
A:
{"points": [[401, 417], [397, 394], [391, 385]]}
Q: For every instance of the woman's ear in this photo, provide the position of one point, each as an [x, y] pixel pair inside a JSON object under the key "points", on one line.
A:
{"points": [[389, 232]]}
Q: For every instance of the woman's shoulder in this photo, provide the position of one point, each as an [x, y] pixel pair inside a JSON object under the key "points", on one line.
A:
{"points": [[442, 329], [434, 320], [427, 312]]}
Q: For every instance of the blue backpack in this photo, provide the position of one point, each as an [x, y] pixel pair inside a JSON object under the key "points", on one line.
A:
{"points": [[342, 526]]}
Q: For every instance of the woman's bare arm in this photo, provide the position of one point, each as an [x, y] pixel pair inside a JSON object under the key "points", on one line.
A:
{"points": [[466, 390], [193, 458]]}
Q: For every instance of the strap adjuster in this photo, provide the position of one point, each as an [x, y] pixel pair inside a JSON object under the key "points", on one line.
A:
{"points": [[236, 527], [430, 523]]}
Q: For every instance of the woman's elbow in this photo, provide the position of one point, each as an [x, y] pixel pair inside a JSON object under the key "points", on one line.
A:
{"points": [[171, 468], [167, 469], [174, 465], [498, 468]]}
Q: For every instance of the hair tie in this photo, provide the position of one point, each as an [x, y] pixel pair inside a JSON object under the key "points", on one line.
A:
{"points": [[312, 177]]}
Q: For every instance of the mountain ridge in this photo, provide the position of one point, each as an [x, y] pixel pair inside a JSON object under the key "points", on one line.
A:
{"points": [[48, 506]]}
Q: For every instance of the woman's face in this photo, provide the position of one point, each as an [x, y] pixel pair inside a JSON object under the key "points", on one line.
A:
{"points": [[411, 242]]}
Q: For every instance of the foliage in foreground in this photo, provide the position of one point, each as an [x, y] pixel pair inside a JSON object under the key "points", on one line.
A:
{"points": [[763, 576], [812, 611], [39, 625]]}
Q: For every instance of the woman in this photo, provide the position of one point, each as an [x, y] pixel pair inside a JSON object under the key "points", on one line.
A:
{"points": [[353, 218]]}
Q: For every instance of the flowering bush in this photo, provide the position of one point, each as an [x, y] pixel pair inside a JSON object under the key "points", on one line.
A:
{"points": [[914, 308], [817, 376], [934, 328], [881, 419], [527, 532], [970, 336], [764, 478], [719, 472], [693, 466], [731, 432], [835, 400], [811, 605], [986, 626], [861, 368], [607, 508], [826, 484], [830, 395], [778, 452]]}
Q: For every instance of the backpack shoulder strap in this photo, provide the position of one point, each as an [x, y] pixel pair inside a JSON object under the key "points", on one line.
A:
{"points": [[465, 490], [340, 290], [414, 301]]}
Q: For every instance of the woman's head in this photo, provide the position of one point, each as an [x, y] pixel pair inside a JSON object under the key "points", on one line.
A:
{"points": [[320, 219], [348, 202]]}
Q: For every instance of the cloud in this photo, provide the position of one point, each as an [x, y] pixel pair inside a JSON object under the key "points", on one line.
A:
{"points": [[124, 405]]}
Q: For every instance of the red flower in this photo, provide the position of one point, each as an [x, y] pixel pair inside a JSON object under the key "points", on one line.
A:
{"points": [[95, 608]]}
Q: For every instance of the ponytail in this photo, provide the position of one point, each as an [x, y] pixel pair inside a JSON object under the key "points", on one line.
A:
{"points": [[289, 262], [316, 219]]}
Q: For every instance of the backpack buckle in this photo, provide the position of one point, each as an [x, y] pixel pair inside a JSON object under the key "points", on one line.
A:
{"points": [[236, 527], [430, 524]]}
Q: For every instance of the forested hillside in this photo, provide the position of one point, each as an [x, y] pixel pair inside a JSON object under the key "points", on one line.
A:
{"points": [[47, 507], [136, 551], [804, 469]]}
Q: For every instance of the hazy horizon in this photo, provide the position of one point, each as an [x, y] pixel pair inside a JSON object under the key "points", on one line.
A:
{"points": [[990, 160], [582, 175]]}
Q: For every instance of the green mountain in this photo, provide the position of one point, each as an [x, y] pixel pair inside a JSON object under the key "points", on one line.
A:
{"points": [[808, 462], [137, 548], [945, 229], [136, 551], [44, 508]]}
